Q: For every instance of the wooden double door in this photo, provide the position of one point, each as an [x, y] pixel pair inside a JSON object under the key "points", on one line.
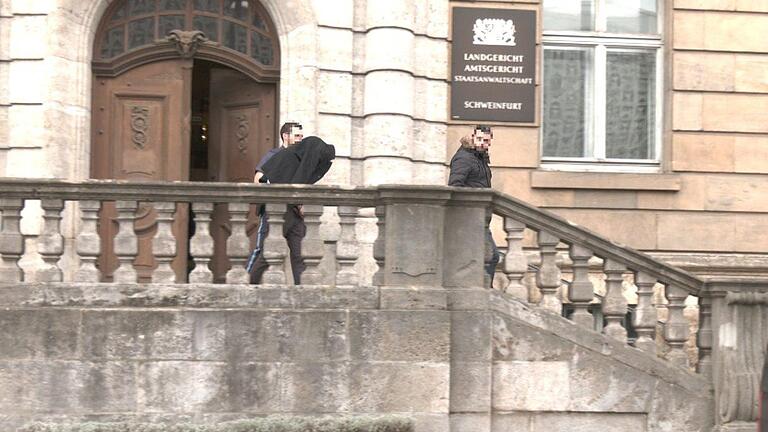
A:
{"points": [[146, 124]]}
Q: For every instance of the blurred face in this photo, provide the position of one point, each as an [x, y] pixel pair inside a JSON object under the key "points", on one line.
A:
{"points": [[295, 136], [481, 140]]}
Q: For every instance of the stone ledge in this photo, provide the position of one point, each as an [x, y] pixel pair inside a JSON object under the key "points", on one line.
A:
{"points": [[605, 181]]}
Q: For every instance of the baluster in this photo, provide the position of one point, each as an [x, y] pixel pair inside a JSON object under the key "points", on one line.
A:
{"points": [[704, 339], [164, 243], [581, 291], [126, 243], [201, 245], [515, 262], [312, 246], [614, 303], [379, 246], [238, 243], [548, 276], [11, 241], [51, 242], [676, 330], [275, 247], [88, 243], [347, 247], [645, 313]]}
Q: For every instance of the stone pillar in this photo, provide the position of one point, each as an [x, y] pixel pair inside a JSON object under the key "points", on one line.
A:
{"points": [[548, 276], [347, 247], [88, 243], [238, 245], [614, 303], [739, 315], [312, 246], [515, 262], [677, 329], [164, 243], [414, 236], [646, 315], [201, 244], [581, 291], [126, 243], [275, 247], [465, 237], [50, 244], [11, 241]]}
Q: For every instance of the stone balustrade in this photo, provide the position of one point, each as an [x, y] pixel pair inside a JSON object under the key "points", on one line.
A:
{"points": [[429, 236]]}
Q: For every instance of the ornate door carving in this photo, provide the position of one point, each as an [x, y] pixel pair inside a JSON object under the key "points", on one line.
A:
{"points": [[242, 130], [141, 133]]}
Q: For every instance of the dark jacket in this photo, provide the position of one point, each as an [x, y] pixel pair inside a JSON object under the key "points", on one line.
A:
{"points": [[302, 163], [470, 168]]}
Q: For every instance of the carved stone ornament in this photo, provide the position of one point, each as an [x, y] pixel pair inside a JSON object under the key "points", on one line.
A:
{"points": [[187, 42], [139, 126]]}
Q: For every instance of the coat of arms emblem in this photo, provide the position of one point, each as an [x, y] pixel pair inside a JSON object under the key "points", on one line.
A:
{"points": [[490, 31]]}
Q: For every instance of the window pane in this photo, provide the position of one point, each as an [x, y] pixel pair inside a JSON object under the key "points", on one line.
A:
{"points": [[261, 48], [138, 7], [258, 22], [567, 80], [173, 5], [631, 105], [119, 13], [236, 9], [170, 22], [235, 36], [207, 5], [141, 32], [569, 14], [113, 44], [207, 25], [631, 16]]}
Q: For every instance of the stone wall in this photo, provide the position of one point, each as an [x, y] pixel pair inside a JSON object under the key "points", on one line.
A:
{"points": [[458, 360]]}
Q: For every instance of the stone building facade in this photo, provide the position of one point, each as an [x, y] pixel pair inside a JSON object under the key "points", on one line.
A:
{"points": [[373, 78]]}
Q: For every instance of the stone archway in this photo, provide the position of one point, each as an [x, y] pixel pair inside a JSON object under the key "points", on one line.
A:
{"points": [[75, 22]]}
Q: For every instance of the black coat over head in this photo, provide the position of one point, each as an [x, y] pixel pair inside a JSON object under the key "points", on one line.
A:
{"points": [[302, 163]]}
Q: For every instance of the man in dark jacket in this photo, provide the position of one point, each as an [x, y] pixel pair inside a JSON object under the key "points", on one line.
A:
{"points": [[303, 163], [470, 167]]}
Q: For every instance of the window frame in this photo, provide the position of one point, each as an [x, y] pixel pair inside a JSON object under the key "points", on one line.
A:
{"points": [[601, 41]]}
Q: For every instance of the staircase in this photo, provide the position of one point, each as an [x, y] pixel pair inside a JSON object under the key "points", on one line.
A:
{"points": [[402, 325]]}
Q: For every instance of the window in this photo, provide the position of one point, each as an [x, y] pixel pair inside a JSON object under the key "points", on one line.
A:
{"points": [[239, 25], [601, 82]]}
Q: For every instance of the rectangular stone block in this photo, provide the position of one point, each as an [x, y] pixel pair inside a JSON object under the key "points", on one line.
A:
{"points": [[703, 152], [32, 7], [413, 298], [471, 422], [687, 111], [184, 386], [751, 154], [36, 334], [506, 422], [315, 387], [735, 112], [27, 81], [719, 31], [336, 298], [136, 335], [632, 228], [703, 71], [583, 422], [400, 335], [209, 335], [335, 48], [470, 387], [336, 129], [334, 13], [600, 384], [690, 231], [516, 341], [5, 37], [399, 387], [28, 37], [471, 335], [334, 92], [27, 130], [531, 386]]}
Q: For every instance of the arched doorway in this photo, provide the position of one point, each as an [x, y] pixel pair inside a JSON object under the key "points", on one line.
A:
{"points": [[183, 90]]}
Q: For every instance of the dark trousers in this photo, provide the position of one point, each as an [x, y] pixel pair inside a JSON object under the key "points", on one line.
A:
{"points": [[492, 258], [294, 231]]}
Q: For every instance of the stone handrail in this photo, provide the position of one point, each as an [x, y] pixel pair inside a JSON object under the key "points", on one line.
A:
{"points": [[429, 236]]}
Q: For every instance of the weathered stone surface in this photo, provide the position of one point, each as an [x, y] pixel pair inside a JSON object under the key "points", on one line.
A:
{"points": [[316, 387], [719, 31], [505, 422], [471, 422], [36, 334], [531, 386], [513, 340], [412, 298], [470, 387], [400, 336], [471, 336], [182, 386], [582, 422], [399, 387]]}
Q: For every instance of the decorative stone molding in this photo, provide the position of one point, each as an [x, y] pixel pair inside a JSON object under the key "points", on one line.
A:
{"points": [[187, 42]]}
